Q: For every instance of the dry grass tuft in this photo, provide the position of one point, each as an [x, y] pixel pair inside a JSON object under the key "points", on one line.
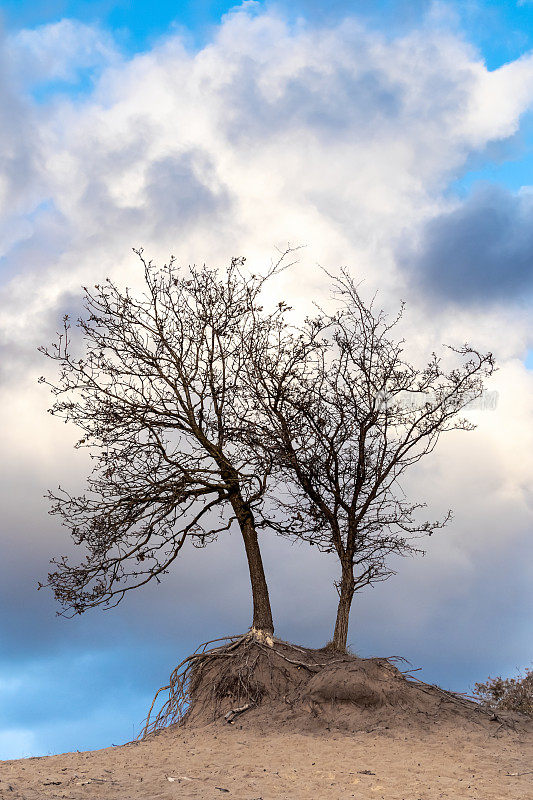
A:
{"points": [[507, 694]]}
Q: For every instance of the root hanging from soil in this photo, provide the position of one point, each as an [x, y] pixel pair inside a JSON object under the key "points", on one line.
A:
{"points": [[274, 683], [175, 707]]}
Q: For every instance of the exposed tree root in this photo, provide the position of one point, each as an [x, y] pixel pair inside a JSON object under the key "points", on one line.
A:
{"points": [[272, 681], [176, 705]]}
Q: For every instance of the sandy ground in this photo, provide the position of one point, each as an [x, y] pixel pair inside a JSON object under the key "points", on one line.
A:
{"points": [[214, 762]]}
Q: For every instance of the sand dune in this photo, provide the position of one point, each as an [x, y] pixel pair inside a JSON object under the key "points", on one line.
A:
{"points": [[234, 761]]}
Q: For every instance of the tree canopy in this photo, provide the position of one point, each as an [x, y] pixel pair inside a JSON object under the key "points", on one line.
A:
{"points": [[345, 414], [160, 396]]}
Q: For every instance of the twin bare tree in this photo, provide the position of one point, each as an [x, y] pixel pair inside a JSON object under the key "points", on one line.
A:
{"points": [[204, 411]]}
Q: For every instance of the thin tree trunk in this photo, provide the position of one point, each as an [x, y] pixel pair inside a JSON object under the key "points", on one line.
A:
{"points": [[262, 623], [347, 587]]}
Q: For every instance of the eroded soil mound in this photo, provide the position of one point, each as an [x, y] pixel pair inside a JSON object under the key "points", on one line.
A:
{"points": [[250, 684]]}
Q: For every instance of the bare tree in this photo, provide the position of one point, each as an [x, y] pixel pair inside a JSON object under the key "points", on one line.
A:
{"points": [[159, 396], [345, 415]]}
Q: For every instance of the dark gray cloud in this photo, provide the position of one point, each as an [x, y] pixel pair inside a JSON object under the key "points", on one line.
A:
{"points": [[19, 140], [352, 93], [480, 252], [359, 98], [19, 355], [183, 189], [317, 98], [44, 235]]}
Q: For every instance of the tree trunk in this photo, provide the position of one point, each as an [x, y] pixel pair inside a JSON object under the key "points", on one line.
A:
{"points": [[262, 624], [347, 587]]}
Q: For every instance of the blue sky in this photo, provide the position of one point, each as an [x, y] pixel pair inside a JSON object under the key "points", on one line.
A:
{"points": [[396, 137]]}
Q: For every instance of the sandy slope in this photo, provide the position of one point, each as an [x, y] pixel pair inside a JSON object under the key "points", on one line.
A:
{"points": [[447, 762]]}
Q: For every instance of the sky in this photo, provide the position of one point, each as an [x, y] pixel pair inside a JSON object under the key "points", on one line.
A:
{"points": [[394, 138]]}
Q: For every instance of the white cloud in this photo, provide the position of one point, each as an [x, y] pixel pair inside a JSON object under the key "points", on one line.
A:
{"points": [[337, 138], [498, 100], [58, 51]]}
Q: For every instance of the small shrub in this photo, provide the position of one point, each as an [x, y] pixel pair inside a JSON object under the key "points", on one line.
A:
{"points": [[507, 694]]}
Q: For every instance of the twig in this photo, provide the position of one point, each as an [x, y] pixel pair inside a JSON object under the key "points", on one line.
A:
{"points": [[310, 667], [201, 648], [518, 774], [234, 712], [455, 697], [398, 658], [288, 644]]}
